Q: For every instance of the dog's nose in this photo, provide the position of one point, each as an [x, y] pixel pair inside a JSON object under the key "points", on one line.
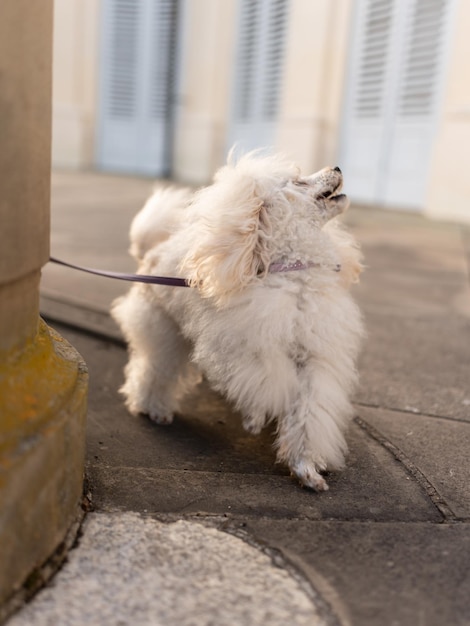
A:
{"points": [[337, 169]]}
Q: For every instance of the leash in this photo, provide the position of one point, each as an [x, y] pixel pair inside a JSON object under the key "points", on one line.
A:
{"points": [[137, 278], [171, 281]]}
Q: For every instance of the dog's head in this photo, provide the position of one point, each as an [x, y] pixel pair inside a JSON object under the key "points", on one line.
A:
{"points": [[257, 210]]}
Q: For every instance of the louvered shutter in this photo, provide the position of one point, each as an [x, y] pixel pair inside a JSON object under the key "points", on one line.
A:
{"points": [[426, 28], [137, 71], [422, 58], [366, 101], [395, 76], [258, 72]]}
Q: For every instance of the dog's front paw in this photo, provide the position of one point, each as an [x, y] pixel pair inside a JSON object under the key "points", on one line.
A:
{"points": [[159, 416], [161, 420], [309, 476], [252, 427]]}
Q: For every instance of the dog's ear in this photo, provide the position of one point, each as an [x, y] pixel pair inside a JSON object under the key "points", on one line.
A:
{"points": [[229, 236]]}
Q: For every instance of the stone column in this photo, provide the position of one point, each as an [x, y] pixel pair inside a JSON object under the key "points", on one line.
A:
{"points": [[43, 381]]}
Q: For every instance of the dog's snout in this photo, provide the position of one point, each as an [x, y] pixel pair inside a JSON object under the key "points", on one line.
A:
{"points": [[337, 169]]}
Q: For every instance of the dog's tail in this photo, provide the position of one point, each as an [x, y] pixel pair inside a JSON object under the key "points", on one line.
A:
{"points": [[158, 219]]}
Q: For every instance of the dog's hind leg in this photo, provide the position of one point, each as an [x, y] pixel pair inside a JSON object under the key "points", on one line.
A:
{"points": [[158, 373], [310, 436]]}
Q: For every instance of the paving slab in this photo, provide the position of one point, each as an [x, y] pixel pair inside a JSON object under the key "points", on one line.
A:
{"points": [[57, 306], [416, 364], [438, 447], [409, 292], [415, 294], [408, 240], [380, 574], [206, 463]]}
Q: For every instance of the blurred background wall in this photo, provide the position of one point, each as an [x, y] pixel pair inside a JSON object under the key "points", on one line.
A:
{"points": [[164, 88]]}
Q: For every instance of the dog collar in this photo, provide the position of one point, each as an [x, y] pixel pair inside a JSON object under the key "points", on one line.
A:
{"points": [[278, 267]]}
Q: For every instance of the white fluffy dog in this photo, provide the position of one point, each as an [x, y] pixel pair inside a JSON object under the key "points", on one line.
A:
{"points": [[268, 319]]}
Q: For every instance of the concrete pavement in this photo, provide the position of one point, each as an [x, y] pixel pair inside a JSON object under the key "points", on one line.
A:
{"points": [[389, 544]]}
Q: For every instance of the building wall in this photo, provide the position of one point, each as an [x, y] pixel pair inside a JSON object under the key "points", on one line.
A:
{"points": [[449, 185], [318, 43], [204, 92], [317, 47], [308, 126], [76, 54]]}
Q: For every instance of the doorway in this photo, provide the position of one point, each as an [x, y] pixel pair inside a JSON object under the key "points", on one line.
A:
{"points": [[393, 99], [137, 77]]}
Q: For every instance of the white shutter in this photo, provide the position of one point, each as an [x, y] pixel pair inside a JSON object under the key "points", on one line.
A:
{"points": [[366, 102], [258, 72], [423, 52], [370, 89], [137, 68], [410, 144], [395, 77], [157, 86]]}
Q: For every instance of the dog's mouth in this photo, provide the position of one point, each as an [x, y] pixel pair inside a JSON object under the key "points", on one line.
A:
{"points": [[330, 194], [335, 198], [334, 203]]}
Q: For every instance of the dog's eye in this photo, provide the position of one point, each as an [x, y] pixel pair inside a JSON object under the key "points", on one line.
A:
{"points": [[300, 183]]}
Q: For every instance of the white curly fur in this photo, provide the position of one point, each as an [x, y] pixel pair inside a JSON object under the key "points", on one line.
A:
{"points": [[279, 346]]}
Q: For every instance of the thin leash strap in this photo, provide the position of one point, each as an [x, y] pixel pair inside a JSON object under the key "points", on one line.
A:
{"points": [[137, 278]]}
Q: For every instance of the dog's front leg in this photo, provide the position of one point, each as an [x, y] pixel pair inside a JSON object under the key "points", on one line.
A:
{"points": [[310, 436], [158, 373], [255, 421]]}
